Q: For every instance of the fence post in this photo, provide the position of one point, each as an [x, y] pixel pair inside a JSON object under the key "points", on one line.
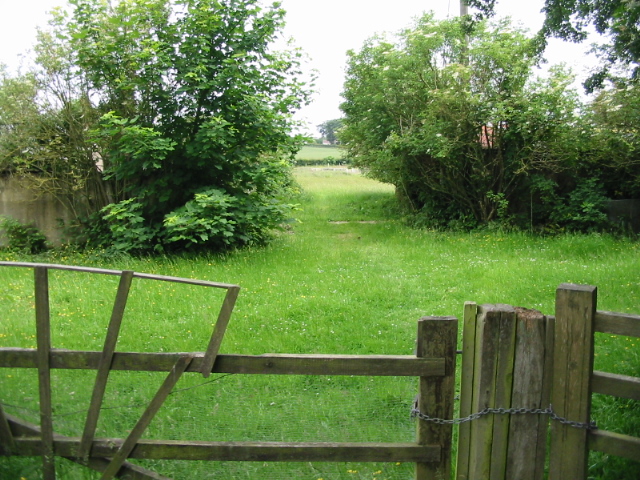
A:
{"points": [[492, 385], [508, 366], [43, 340], [572, 367], [466, 388], [437, 337], [531, 385]]}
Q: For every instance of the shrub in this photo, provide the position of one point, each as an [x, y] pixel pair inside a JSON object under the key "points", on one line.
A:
{"points": [[22, 237]]}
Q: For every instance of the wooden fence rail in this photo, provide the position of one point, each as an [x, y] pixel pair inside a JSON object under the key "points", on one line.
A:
{"points": [[519, 369], [434, 364]]}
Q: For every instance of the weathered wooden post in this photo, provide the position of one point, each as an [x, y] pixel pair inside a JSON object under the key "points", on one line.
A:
{"points": [[507, 353], [43, 339], [572, 368], [437, 337]]}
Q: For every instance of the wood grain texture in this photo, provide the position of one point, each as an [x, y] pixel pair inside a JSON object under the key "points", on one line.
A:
{"points": [[43, 340], [268, 364], [466, 388], [104, 365], [437, 337], [572, 368], [528, 392], [615, 444], [622, 386], [617, 323], [245, 451], [128, 470]]}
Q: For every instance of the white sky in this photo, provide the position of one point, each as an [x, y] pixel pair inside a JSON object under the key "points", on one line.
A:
{"points": [[324, 29]]}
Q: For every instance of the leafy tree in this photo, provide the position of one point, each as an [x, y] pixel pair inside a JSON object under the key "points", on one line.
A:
{"points": [[613, 139], [17, 111], [44, 139], [455, 121], [184, 99], [619, 20], [329, 130]]}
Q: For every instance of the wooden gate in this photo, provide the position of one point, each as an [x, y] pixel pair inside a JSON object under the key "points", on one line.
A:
{"points": [[523, 369], [434, 364]]}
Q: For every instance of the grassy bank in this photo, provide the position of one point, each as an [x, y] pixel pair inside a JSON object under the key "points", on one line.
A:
{"points": [[346, 279]]}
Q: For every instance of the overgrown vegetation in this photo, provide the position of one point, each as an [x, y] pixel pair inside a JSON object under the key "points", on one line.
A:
{"points": [[22, 238], [148, 106], [453, 116]]}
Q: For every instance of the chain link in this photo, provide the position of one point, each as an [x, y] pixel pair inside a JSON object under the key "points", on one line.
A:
{"points": [[415, 412]]}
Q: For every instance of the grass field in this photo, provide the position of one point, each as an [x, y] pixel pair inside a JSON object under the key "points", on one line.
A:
{"points": [[347, 279], [319, 152]]}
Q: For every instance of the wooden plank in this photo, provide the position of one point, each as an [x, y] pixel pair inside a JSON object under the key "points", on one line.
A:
{"points": [[484, 378], [246, 451], [622, 386], [466, 388], [617, 323], [218, 331], [547, 384], [128, 470], [270, 364], [7, 444], [615, 444], [573, 365], [104, 364], [437, 337], [102, 271], [504, 386], [144, 421], [528, 386], [43, 341]]}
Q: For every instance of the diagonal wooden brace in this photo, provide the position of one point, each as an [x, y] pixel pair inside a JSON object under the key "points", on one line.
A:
{"points": [[218, 331], [105, 365], [7, 443], [157, 401]]}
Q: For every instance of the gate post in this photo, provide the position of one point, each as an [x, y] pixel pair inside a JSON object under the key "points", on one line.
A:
{"points": [[572, 368], [505, 369], [437, 337]]}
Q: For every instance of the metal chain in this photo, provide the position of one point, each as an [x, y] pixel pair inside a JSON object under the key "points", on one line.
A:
{"points": [[415, 412]]}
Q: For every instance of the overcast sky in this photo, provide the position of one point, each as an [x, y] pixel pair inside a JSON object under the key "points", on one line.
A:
{"points": [[325, 30]]}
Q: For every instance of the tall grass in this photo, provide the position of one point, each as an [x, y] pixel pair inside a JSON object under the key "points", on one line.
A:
{"points": [[348, 278]]}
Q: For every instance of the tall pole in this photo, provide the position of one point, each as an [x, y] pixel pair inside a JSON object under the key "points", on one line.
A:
{"points": [[464, 8]]}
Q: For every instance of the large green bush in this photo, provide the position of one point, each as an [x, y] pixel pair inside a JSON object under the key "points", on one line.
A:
{"points": [[457, 122], [173, 98]]}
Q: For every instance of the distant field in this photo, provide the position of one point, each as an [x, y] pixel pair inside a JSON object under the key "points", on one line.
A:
{"points": [[319, 152]]}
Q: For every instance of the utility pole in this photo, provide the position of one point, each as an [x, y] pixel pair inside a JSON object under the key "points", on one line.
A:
{"points": [[464, 8]]}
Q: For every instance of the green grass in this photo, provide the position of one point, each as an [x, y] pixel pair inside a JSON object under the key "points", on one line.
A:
{"points": [[347, 279], [319, 152]]}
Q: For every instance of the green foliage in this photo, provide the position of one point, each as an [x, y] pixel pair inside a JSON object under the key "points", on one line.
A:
{"points": [[139, 105], [21, 237], [224, 221], [613, 139], [584, 209], [455, 121], [121, 227], [618, 20]]}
